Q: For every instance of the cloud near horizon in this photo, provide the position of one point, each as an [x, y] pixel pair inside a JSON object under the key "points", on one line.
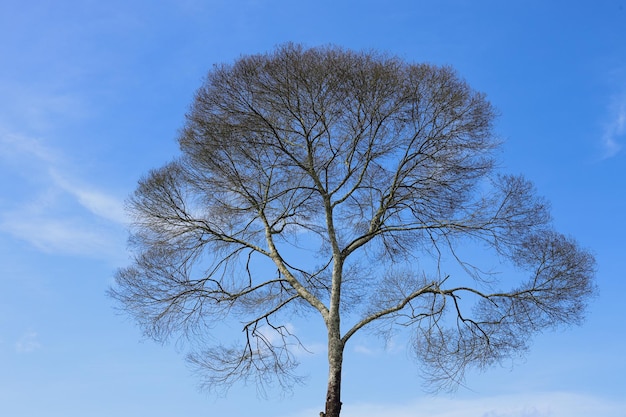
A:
{"points": [[540, 404]]}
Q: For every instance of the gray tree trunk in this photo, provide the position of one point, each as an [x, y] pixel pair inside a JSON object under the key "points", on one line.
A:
{"points": [[335, 359]]}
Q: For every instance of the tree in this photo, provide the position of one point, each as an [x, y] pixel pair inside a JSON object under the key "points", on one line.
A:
{"points": [[362, 180]]}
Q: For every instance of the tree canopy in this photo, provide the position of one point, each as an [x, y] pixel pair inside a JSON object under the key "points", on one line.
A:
{"points": [[349, 185]]}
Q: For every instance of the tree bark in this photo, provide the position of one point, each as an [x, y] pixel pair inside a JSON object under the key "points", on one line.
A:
{"points": [[335, 362], [333, 395]]}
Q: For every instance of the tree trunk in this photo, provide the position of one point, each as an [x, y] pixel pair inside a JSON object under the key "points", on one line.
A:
{"points": [[335, 361]]}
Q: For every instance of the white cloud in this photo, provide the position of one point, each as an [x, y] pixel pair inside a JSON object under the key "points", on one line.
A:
{"points": [[28, 343], [362, 349], [95, 201], [374, 346], [31, 107], [66, 235], [55, 212], [306, 350], [314, 349], [16, 147], [31, 152], [615, 129], [551, 404]]}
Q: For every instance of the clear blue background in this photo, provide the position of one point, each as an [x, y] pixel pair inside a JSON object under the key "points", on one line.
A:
{"points": [[92, 94]]}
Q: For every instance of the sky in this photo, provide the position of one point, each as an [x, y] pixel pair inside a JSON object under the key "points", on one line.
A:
{"points": [[92, 95]]}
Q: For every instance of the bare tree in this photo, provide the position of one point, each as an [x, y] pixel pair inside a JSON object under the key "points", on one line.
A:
{"points": [[349, 185]]}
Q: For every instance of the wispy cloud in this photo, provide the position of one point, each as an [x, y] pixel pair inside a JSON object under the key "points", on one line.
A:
{"points": [[71, 235], [16, 147], [28, 343], [615, 128], [33, 106], [551, 404], [364, 350], [52, 210], [375, 346], [306, 350], [97, 202]]}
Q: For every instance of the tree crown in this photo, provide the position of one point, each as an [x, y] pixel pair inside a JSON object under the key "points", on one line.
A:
{"points": [[373, 167]]}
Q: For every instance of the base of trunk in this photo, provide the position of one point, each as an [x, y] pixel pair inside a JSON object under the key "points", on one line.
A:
{"points": [[333, 408]]}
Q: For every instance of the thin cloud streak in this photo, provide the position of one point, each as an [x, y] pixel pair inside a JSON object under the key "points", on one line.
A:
{"points": [[66, 215], [96, 202], [18, 147], [70, 236], [616, 128], [31, 107]]}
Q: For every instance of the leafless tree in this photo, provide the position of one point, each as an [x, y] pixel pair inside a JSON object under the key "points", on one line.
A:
{"points": [[349, 185]]}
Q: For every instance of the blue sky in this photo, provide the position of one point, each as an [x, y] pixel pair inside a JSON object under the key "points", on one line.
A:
{"points": [[92, 95]]}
